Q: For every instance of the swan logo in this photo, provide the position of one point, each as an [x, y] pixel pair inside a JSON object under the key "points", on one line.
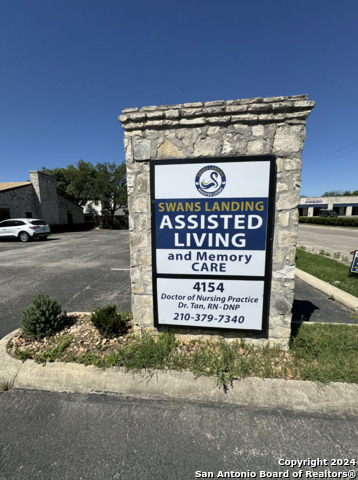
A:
{"points": [[210, 181]]}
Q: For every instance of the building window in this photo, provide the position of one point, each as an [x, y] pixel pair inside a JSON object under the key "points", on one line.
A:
{"points": [[28, 214]]}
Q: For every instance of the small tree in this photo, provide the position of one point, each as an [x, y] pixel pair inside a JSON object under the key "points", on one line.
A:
{"points": [[42, 318]]}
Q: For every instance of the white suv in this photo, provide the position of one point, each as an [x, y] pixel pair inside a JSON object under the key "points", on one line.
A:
{"points": [[24, 228]]}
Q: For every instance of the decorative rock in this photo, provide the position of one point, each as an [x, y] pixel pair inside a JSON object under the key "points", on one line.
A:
{"points": [[206, 147], [168, 150], [288, 139], [141, 149]]}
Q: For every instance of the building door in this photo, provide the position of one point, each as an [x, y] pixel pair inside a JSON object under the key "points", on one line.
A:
{"points": [[69, 217]]}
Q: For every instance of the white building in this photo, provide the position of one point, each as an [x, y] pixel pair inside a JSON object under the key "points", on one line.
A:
{"points": [[344, 206], [97, 208]]}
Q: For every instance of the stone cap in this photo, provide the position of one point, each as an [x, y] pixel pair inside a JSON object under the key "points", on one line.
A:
{"points": [[295, 109]]}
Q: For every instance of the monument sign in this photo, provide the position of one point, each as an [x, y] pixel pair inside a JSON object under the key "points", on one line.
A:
{"points": [[212, 241], [213, 191]]}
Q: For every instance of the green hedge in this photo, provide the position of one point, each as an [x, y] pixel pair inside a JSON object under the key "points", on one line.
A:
{"points": [[340, 221]]}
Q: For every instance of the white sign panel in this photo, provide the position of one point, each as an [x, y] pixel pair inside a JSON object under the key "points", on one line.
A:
{"points": [[229, 304], [211, 220], [180, 180]]}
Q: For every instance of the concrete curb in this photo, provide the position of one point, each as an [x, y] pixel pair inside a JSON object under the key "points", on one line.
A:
{"points": [[300, 396], [342, 297]]}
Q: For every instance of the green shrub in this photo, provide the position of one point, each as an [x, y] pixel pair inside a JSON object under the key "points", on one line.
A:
{"points": [[108, 321], [338, 221], [42, 318]]}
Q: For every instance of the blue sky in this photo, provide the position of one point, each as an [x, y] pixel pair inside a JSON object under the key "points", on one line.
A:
{"points": [[69, 67]]}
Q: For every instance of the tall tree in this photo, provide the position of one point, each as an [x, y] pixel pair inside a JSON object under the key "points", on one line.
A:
{"points": [[76, 182], [333, 193], [111, 186], [84, 182], [62, 179], [82, 185], [340, 193]]}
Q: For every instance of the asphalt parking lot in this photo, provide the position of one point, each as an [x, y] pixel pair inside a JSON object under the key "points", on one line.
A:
{"points": [[86, 270], [83, 270]]}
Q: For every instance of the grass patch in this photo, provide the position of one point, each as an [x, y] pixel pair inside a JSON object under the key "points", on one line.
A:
{"points": [[327, 353], [5, 386], [55, 351], [225, 361], [328, 270], [318, 352], [147, 352]]}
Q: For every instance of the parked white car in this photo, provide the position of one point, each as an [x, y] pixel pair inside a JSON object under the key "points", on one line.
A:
{"points": [[24, 229]]}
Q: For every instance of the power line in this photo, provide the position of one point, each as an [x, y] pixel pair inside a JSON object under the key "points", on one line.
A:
{"points": [[331, 154]]}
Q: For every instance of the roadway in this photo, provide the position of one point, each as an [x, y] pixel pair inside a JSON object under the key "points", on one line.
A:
{"points": [[329, 239], [62, 436]]}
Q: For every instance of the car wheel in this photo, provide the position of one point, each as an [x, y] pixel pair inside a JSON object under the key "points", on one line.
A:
{"points": [[24, 237]]}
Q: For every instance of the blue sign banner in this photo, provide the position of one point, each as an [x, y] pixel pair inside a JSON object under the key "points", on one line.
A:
{"points": [[211, 223]]}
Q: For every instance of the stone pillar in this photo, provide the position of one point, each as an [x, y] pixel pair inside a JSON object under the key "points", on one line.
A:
{"points": [[257, 126], [45, 188]]}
